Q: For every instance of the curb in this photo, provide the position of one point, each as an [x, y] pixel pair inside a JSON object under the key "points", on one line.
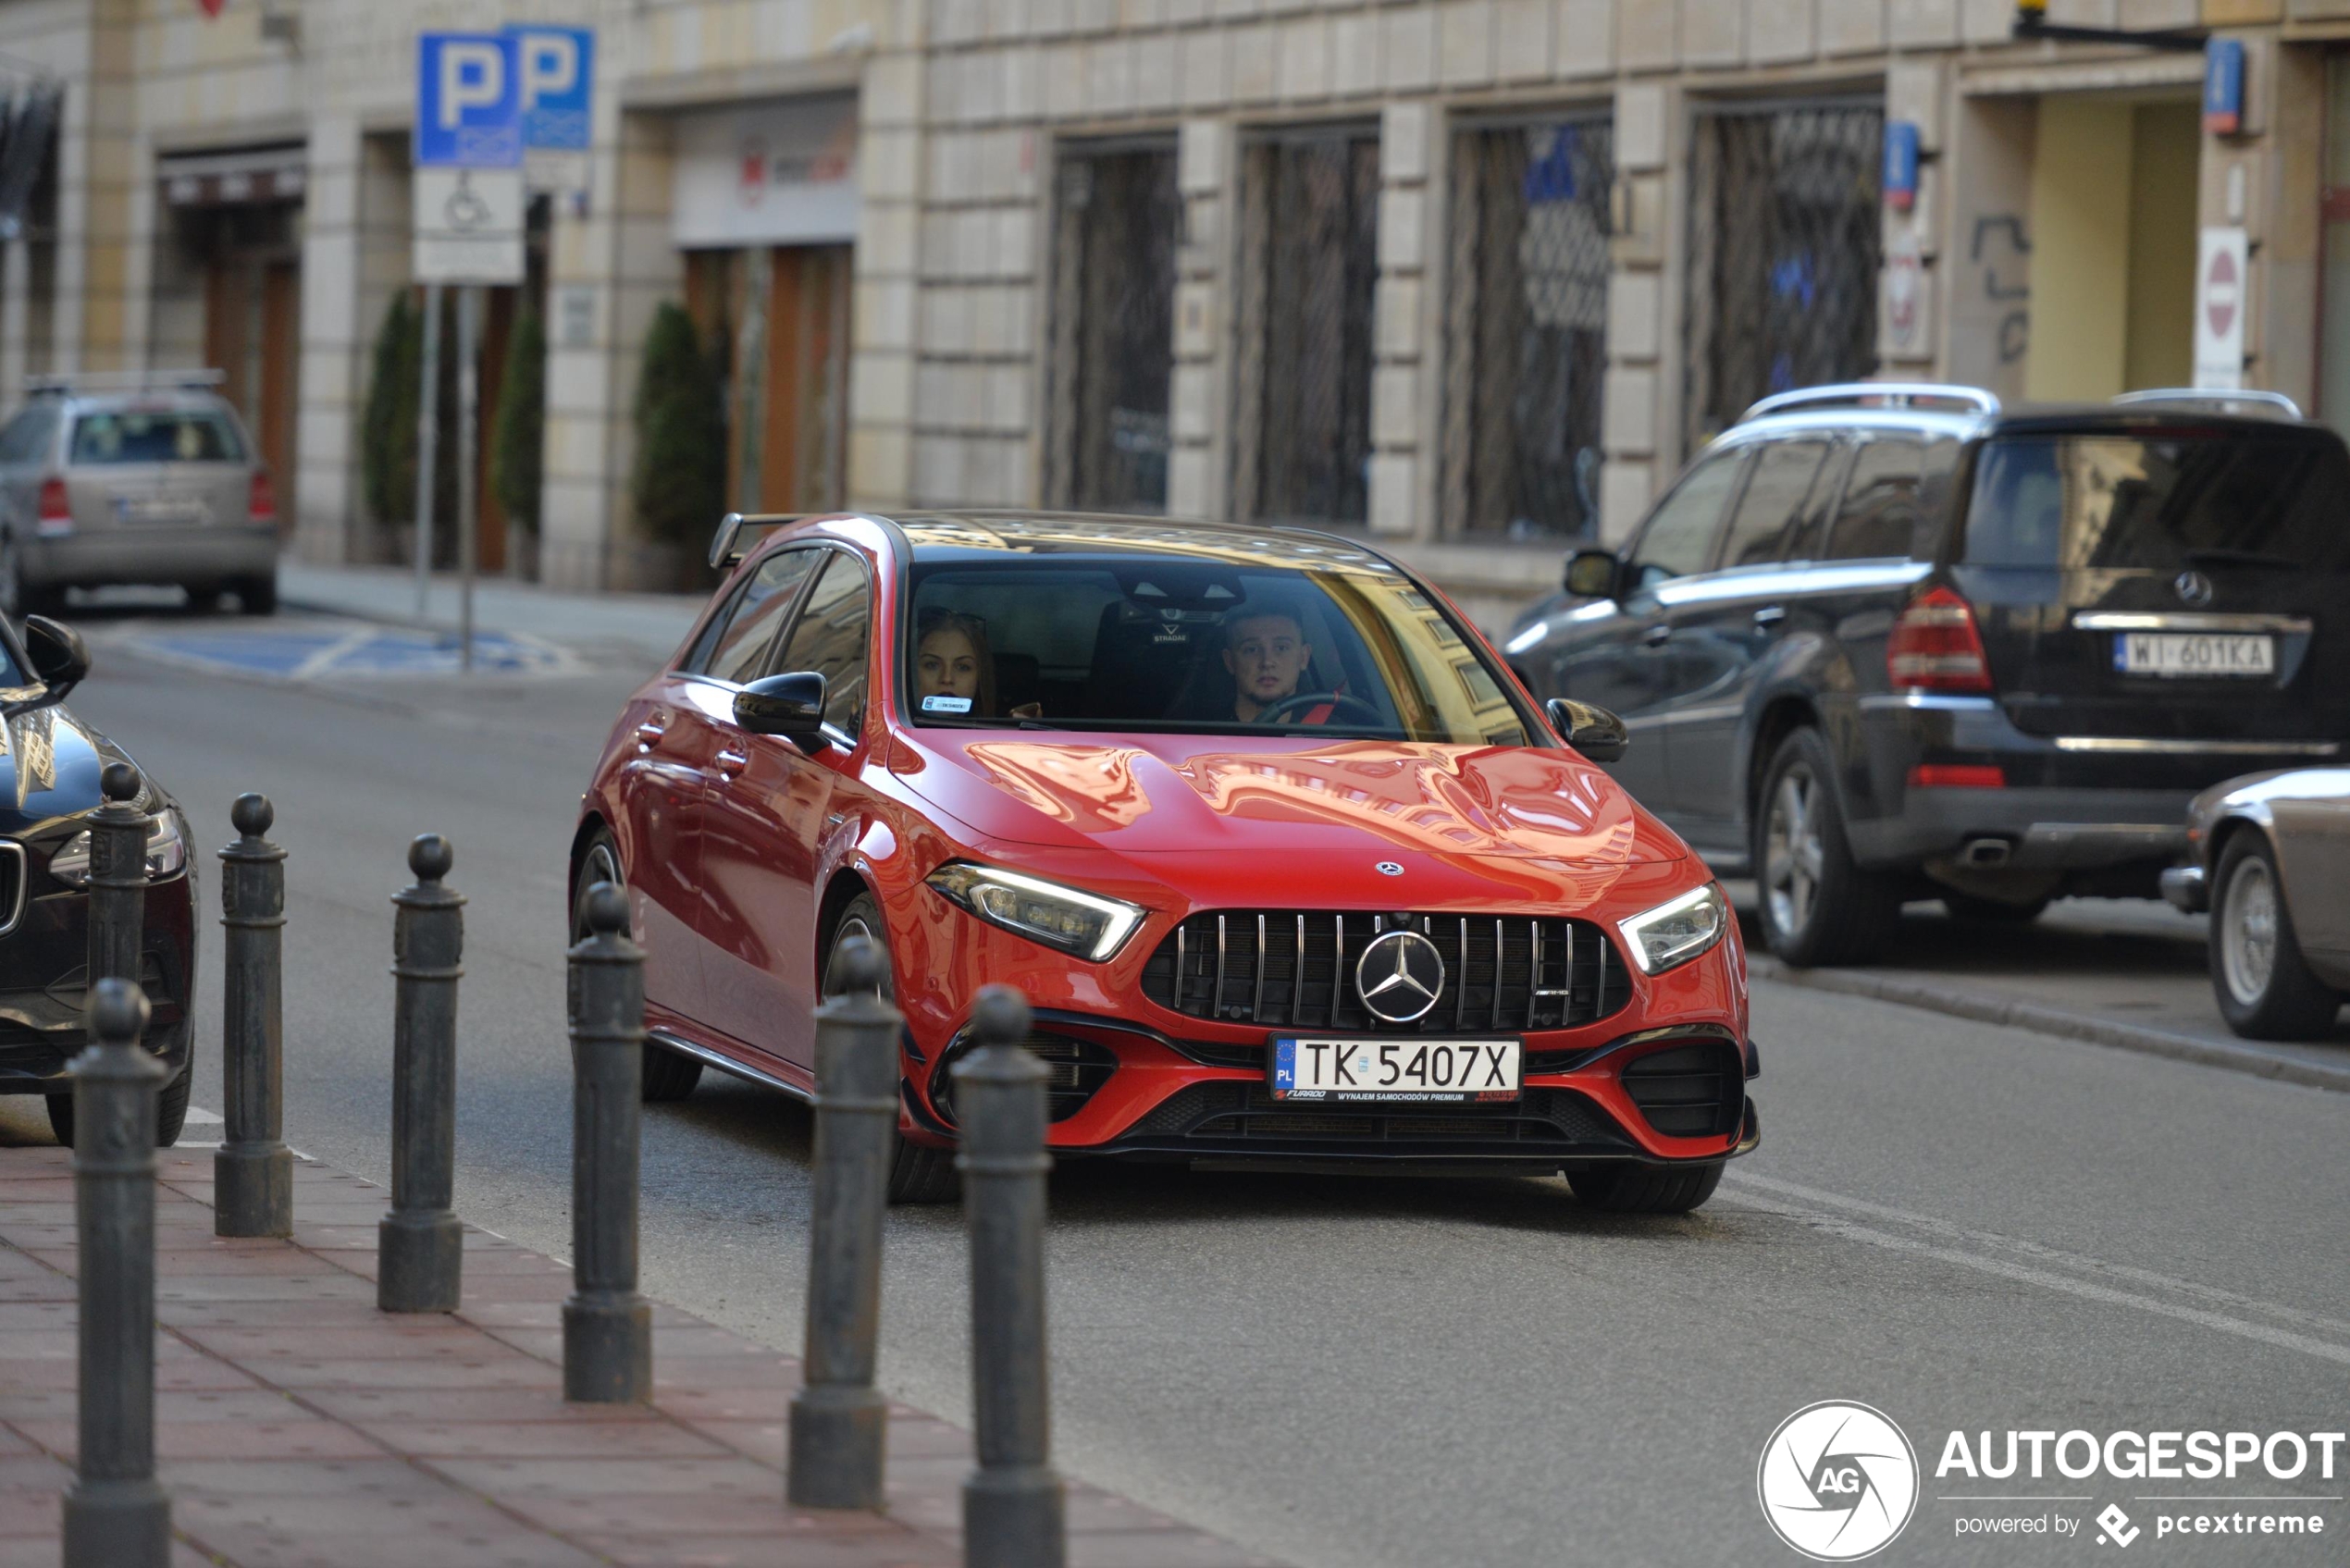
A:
{"points": [[1992, 1008]]}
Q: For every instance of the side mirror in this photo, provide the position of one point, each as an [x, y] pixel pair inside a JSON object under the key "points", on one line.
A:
{"points": [[60, 659], [1594, 574], [791, 706], [1596, 733]]}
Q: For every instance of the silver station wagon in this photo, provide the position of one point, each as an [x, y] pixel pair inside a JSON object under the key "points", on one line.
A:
{"points": [[148, 479]]}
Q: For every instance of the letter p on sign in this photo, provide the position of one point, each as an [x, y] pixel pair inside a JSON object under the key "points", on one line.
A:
{"points": [[468, 109], [473, 77]]}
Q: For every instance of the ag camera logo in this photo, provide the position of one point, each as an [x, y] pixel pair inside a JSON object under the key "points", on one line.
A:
{"points": [[1837, 1481]]}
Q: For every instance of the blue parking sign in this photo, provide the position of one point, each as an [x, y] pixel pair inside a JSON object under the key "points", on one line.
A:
{"points": [[468, 101], [556, 67]]}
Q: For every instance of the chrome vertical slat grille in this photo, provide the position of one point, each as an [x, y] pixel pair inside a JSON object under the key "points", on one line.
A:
{"points": [[1502, 973]]}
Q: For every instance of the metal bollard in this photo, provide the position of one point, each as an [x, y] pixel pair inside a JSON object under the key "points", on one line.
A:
{"points": [[118, 875], [838, 1420], [1012, 1504], [116, 1517], [607, 1328], [420, 1246], [252, 1170]]}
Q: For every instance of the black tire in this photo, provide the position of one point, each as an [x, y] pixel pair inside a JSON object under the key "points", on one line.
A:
{"points": [[172, 1112], [917, 1173], [2263, 984], [256, 595], [1642, 1188], [1829, 911], [1991, 911], [668, 1076]]}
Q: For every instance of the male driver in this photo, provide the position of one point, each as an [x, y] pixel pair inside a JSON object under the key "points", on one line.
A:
{"points": [[1267, 652]]}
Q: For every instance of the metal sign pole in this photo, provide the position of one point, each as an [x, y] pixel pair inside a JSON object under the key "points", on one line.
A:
{"points": [[427, 439], [468, 457]]}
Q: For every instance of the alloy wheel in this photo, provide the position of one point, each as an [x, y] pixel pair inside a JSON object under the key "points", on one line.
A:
{"points": [[1792, 854], [600, 865], [854, 925], [2248, 931]]}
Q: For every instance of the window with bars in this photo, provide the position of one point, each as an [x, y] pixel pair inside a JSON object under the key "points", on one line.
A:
{"points": [[1117, 219], [1308, 262], [1784, 249], [1526, 326]]}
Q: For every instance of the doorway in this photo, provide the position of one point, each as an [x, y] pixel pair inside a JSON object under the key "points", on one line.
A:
{"points": [[2114, 185]]}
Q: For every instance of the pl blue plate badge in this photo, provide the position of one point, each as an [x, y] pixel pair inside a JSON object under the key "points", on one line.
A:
{"points": [[946, 704], [1284, 1066]]}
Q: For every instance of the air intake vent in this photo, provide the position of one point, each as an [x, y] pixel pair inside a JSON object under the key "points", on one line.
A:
{"points": [[1289, 968], [1074, 1068], [1696, 1089]]}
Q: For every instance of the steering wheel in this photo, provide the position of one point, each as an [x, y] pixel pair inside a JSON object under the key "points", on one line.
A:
{"points": [[1341, 704]]}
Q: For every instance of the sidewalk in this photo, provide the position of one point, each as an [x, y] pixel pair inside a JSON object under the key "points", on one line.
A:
{"points": [[644, 626], [296, 1425]]}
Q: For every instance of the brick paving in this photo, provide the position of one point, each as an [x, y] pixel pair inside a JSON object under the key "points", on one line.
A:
{"points": [[296, 1425]]}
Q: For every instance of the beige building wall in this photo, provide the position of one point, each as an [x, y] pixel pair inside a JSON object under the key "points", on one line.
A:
{"points": [[964, 105]]}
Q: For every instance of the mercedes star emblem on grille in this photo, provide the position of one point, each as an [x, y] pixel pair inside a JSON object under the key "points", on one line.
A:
{"points": [[1399, 975], [2191, 586], [1389, 869]]}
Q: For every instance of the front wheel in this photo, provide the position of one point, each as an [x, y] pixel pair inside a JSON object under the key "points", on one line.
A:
{"points": [[1640, 1189], [2264, 986], [1818, 905], [667, 1075], [917, 1175], [171, 1112]]}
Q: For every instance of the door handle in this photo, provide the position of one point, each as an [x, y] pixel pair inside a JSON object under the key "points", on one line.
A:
{"points": [[1657, 636], [648, 734], [731, 762], [1770, 615]]}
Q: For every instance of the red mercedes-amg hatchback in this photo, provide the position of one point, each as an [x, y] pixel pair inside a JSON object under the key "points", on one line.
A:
{"points": [[1289, 866]]}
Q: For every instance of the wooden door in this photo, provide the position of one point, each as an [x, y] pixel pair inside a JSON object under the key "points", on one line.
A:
{"points": [[803, 442], [498, 327], [227, 300], [276, 410]]}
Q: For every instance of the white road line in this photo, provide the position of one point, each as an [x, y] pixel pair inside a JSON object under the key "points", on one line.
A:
{"points": [[2223, 1322], [199, 1116], [2051, 1256], [321, 662]]}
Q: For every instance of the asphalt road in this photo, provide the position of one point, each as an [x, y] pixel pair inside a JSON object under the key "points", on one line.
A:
{"points": [[1968, 1227]]}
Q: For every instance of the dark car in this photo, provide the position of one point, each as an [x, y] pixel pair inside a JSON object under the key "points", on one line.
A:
{"points": [[49, 767], [1884, 642]]}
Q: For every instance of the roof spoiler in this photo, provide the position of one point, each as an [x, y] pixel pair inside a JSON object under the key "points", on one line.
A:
{"points": [[1901, 394], [731, 543], [2245, 398]]}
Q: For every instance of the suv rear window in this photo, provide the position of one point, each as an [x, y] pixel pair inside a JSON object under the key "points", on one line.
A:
{"points": [[2160, 503], [161, 436]]}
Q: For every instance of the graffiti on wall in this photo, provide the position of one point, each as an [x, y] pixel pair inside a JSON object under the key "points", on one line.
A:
{"points": [[2001, 245]]}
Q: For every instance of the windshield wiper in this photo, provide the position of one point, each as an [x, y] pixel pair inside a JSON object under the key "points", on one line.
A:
{"points": [[2244, 558]]}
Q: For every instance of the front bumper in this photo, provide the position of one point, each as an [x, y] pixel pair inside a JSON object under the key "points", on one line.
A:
{"points": [[149, 555], [43, 967], [2187, 889]]}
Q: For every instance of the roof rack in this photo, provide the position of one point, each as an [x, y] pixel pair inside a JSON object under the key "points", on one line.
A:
{"points": [[123, 382], [1905, 394], [2242, 397], [728, 545]]}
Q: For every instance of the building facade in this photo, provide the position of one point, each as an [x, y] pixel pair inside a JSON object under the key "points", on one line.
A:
{"points": [[1470, 276]]}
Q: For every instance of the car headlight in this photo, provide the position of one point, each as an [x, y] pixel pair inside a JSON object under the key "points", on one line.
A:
{"points": [[167, 852], [1084, 923], [1677, 929]]}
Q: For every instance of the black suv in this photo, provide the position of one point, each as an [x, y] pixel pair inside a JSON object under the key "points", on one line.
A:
{"points": [[1886, 641]]}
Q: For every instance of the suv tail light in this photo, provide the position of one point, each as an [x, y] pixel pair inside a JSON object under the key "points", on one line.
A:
{"points": [[56, 509], [263, 505], [1936, 647]]}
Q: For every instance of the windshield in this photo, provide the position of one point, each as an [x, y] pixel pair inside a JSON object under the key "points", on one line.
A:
{"points": [[169, 436], [1184, 647], [2127, 503]]}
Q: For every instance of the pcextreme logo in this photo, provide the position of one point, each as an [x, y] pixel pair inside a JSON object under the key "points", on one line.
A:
{"points": [[1837, 1481]]}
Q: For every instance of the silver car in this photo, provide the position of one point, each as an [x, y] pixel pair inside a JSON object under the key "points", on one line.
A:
{"points": [[149, 479], [2271, 858]]}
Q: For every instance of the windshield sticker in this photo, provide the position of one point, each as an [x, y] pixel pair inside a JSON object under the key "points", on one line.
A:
{"points": [[946, 705]]}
